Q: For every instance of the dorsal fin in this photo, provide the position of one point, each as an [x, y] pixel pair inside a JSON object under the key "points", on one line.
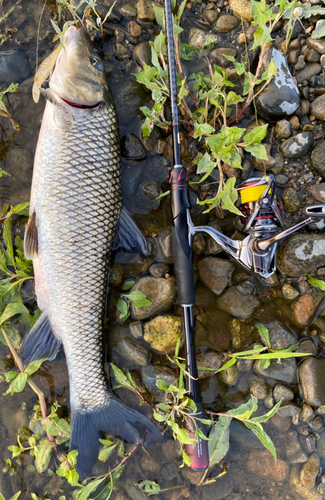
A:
{"points": [[31, 238]]}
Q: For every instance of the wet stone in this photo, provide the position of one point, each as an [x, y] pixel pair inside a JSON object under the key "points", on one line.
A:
{"points": [[310, 471], [145, 10], [286, 372], [311, 442], [289, 292], [160, 291], [135, 353], [128, 11], [199, 244], [152, 190], [280, 336], [215, 273], [198, 38], [259, 389], [291, 200], [151, 373], [295, 454], [6, 365], [229, 375], [312, 381], [310, 70], [217, 56], [318, 192], [265, 164], [158, 270], [317, 158], [304, 308], [242, 9], [318, 107], [300, 64], [209, 359], [301, 254], [297, 146], [211, 15], [237, 304], [321, 410], [308, 346], [297, 486], [226, 23], [269, 402], [135, 29], [282, 392], [132, 148], [14, 67], [169, 472], [261, 462], [245, 365], [317, 424], [163, 332], [318, 45], [136, 329], [283, 129], [288, 410], [281, 97], [149, 464], [303, 430], [142, 53]]}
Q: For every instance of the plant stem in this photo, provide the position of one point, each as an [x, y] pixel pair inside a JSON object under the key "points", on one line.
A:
{"points": [[180, 69]]}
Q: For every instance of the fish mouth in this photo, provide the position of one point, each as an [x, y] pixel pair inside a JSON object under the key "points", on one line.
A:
{"points": [[80, 106]]}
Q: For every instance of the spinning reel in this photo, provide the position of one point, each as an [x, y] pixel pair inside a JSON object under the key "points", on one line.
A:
{"points": [[262, 221]]}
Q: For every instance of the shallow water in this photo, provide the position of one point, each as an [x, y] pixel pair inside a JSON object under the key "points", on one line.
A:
{"points": [[16, 157]]}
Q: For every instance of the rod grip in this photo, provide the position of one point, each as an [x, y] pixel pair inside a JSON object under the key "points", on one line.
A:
{"points": [[200, 453], [183, 261]]}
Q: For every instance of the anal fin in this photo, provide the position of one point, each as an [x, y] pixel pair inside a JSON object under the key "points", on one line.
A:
{"points": [[31, 238], [40, 343]]}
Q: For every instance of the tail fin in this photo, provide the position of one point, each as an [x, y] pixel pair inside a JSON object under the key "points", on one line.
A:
{"points": [[116, 419]]}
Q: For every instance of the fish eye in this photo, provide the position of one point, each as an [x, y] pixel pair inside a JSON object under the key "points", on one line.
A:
{"points": [[96, 62]]}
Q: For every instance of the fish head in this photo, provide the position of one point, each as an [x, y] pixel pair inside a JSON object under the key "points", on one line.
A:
{"points": [[79, 77]]}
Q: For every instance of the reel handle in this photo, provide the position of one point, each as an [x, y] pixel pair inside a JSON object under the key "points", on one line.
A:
{"points": [[316, 211]]}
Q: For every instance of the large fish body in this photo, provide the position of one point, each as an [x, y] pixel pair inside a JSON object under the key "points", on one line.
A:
{"points": [[74, 211]]}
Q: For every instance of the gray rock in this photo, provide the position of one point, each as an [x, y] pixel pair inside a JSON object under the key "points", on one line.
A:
{"points": [[282, 392], [259, 389], [317, 158], [14, 67], [151, 373], [160, 291], [132, 148], [159, 270], [242, 9], [245, 365], [269, 402], [318, 191], [304, 108], [311, 442], [308, 346], [168, 472], [280, 336], [321, 409], [198, 38], [281, 97], [291, 200], [310, 70], [238, 305], [317, 424], [211, 15], [300, 64], [163, 332], [283, 129], [136, 329], [312, 381], [142, 53], [289, 292], [312, 56], [297, 146], [301, 254], [152, 190], [286, 372], [295, 454], [318, 45], [310, 471], [226, 23], [134, 353], [215, 273], [288, 410], [317, 108], [217, 56], [210, 359]]}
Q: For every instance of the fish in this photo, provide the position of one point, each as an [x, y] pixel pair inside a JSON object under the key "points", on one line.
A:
{"points": [[75, 210]]}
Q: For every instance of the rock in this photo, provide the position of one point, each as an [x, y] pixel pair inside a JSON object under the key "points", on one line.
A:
{"points": [[282, 392], [297, 486], [142, 53], [149, 464], [259, 389], [286, 372], [163, 332], [145, 10], [312, 381], [198, 38], [226, 23], [304, 308], [237, 304], [301, 254], [209, 359], [245, 365], [281, 97], [135, 29], [160, 291], [136, 329], [229, 375], [215, 273], [152, 190], [288, 410], [158, 270], [318, 45], [280, 336], [269, 402], [217, 56], [211, 15], [291, 200], [128, 11], [295, 454], [262, 463], [297, 146], [168, 472], [265, 164], [310, 70], [132, 148], [151, 373], [304, 108], [289, 292], [14, 67], [317, 424], [242, 9], [307, 346], [310, 471], [317, 158], [283, 129], [318, 191], [134, 353], [300, 64]]}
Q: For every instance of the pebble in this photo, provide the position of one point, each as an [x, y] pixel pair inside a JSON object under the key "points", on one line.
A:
{"points": [[135, 29], [226, 23], [291, 200], [259, 389], [158, 270], [317, 424], [135, 353], [281, 97], [283, 129], [295, 454], [145, 10], [229, 376], [210, 359], [163, 332], [311, 442], [242, 9], [310, 471], [317, 108], [286, 372], [142, 53], [301, 254], [14, 67], [136, 329], [217, 56], [288, 410], [310, 70], [297, 146], [289, 292], [132, 148], [321, 409], [168, 472], [317, 158], [262, 463], [128, 11], [318, 45], [245, 365], [280, 336], [198, 38], [304, 108], [151, 373], [318, 192], [300, 64], [282, 392], [211, 15], [298, 487], [237, 304], [215, 273], [160, 291], [152, 190], [312, 381], [269, 402], [304, 308], [307, 346]]}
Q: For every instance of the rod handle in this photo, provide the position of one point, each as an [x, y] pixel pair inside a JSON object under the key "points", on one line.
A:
{"points": [[200, 453]]}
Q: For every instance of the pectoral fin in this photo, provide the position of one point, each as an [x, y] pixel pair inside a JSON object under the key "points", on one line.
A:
{"points": [[129, 237], [40, 343], [31, 238]]}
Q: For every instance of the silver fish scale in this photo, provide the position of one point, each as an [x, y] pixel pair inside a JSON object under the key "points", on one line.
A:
{"points": [[77, 208]]}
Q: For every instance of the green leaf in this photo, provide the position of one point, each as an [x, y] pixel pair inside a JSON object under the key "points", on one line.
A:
{"points": [[73, 477], [123, 308], [186, 459], [15, 496], [33, 367], [257, 150], [10, 376], [268, 415], [21, 209], [159, 44], [262, 436], [128, 284], [106, 451], [150, 487], [233, 98], [262, 36], [229, 363], [235, 160], [13, 309], [107, 491], [120, 377], [18, 384], [317, 283], [183, 436], [264, 333], [218, 440], [256, 135], [245, 410], [160, 15], [161, 384], [240, 68], [202, 129], [319, 31], [265, 364], [180, 11], [84, 493], [43, 452], [146, 127]]}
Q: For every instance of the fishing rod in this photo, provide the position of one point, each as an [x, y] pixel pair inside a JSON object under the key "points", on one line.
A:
{"points": [[180, 206]]}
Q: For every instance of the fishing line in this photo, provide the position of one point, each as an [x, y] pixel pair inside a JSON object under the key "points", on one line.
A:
{"points": [[38, 31]]}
